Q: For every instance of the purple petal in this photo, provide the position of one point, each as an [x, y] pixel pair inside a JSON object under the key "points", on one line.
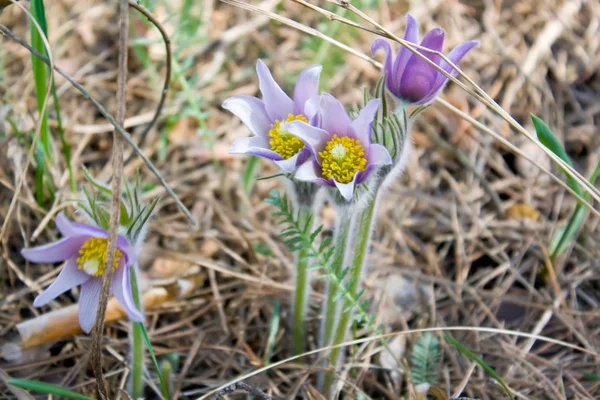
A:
{"points": [[419, 77], [377, 157], [68, 277], [127, 249], [454, 56], [361, 126], [314, 138], [311, 110], [121, 288], [307, 86], [88, 303], [292, 163], [347, 189], [252, 112], [410, 35], [256, 145], [60, 250], [277, 103], [334, 118], [310, 171], [377, 45], [63, 225]]}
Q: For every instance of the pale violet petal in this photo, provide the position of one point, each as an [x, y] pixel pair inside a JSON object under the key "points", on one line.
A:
{"points": [[277, 103], [288, 165], [307, 86], [334, 118], [53, 252], [361, 126], [88, 303], [314, 138], [252, 112], [347, 189], [68, 277], [255, 145], [121, 289]]}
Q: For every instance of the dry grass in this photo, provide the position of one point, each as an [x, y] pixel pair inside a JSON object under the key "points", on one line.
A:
{"points": [[462, 237]]}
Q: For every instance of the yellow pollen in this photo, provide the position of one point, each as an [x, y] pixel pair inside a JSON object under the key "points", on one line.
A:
{"points": [[342, 158], [92, 256], [282, 142]]}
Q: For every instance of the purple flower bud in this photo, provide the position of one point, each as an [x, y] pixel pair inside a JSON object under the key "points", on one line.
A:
{"points": [[412, 79], [269, 118], [84, 249]]}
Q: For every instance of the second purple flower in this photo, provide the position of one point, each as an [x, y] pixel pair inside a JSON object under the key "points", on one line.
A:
{"points": [[343, 155]]}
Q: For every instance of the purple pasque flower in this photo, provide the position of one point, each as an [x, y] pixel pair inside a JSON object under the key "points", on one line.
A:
{"points": [[412, 79], [343, 155], [269, 118], [84, 248]]}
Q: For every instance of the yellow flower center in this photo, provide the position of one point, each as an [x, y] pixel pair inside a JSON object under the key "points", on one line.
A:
{"points": [[282, 142], [342, 158], [92, 256]]}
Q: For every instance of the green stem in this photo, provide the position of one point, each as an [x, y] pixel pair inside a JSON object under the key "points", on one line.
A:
{"points": [[137, 387], [361, 248], [341, 243], [302, 287]]}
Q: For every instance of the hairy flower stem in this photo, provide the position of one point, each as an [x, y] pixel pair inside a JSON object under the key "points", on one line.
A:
{"points": [[137, 383], [361, 247], [302, 289], [340, 246]]}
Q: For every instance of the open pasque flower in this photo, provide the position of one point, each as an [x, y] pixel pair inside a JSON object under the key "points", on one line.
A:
{"points": [[84, 248], [343, 155], [412, 79], [269, 118]]}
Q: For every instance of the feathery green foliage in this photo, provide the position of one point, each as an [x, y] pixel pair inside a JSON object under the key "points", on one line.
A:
{"points": [[424, 359], [299, 236]]}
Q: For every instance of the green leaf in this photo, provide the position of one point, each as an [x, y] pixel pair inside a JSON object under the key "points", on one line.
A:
{"points": [[163, 383], [468, 353], [273, 329], [547, 138], [47, 388], [252, 167]]}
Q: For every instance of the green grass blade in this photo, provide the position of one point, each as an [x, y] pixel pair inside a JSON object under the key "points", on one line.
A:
{"points": [[547, 138], [40, 72], [567, 233], [163, 383], [591, 375], [47, 388], [252, 167], [468, 353], [274, 328]]}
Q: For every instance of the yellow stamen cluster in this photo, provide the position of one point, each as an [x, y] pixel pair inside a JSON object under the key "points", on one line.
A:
{"points": [[282, 142], [342, 158], [92, 256]]}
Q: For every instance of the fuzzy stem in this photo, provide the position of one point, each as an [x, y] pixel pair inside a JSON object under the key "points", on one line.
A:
{"points": [[341, 243], [137, 387], [302, 288], [363, 238]]}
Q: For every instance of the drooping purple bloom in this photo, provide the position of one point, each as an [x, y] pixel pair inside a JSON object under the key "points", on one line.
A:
{"points": [[343, 155], [83, 248], [268, 118], [412, 79]]}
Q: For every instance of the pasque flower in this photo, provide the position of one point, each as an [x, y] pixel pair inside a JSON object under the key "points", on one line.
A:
{"points": [[269, 118], [409, 77], [343, 155], [84, 250]]}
